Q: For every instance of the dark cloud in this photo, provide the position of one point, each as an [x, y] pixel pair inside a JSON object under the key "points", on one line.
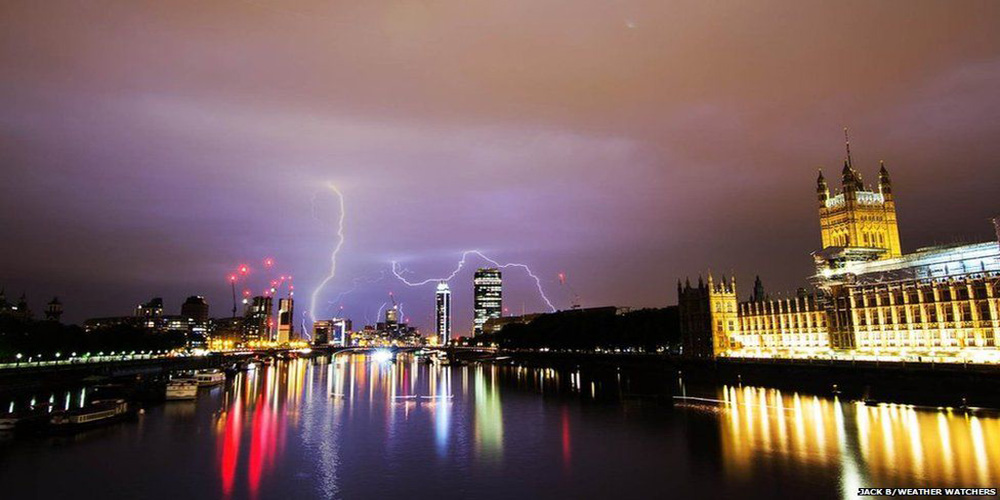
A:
{"points": [[148, 147]]}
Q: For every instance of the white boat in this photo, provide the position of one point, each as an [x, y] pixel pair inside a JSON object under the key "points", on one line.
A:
{"points": [[95, 414], [211, 377], [182, 388]]}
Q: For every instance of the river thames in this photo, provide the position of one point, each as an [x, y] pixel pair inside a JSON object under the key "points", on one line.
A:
{"points": [[358, 428]]}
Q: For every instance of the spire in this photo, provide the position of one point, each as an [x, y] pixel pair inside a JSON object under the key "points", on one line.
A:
{"points": [[884, 183], [847, 174], [822, 190], [847, 143]]}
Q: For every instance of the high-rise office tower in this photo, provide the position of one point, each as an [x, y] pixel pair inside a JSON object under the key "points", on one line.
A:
{"points": [[443, 296], [487, 298], [286, 315], [257, 322]]}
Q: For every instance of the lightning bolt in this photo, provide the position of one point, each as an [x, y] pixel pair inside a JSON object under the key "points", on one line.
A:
{"points": [[354, 286], [306, 333], [336, 249], [398, 272]]}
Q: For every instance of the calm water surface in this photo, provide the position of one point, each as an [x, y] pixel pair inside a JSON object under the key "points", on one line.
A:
{"points": [[354, 428]]}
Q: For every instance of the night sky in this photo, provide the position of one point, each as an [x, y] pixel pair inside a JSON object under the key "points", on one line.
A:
{"points": [[148, 148]]}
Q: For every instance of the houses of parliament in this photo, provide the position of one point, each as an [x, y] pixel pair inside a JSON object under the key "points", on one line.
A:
{"points": [[870, 299]]}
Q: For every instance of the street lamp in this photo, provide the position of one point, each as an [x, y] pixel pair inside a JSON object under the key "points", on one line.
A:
{"points": [[18, 359]]}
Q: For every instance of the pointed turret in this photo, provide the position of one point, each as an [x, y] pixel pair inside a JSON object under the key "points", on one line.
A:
{"points": [[758, 290], [822, 190], [884, 183], [849, 180]]}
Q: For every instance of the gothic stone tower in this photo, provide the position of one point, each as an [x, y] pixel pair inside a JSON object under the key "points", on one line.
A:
{"points": [[709, 317], [859, 217]]}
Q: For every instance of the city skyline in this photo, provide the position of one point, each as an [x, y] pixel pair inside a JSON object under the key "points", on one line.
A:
{"points": [[451, 249], [270, 290], [648, 145]]}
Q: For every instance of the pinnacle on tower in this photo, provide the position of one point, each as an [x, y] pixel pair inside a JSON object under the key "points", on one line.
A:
{"points": [[822, 189], [884, 183]]}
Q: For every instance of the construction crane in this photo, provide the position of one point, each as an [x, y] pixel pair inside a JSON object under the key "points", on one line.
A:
{"points": [[574, 297]]}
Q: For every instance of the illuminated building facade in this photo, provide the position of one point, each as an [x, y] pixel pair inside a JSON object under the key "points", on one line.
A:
{"points": [[936, 304], [859, 218], [939, 301], [286, 320], [708, 315], [151, 313], [487, 297], [785, 326], [392, 316], [195, 310], [333, 332], [321, 332], [225, 333], [257, 321], [443, 302]]}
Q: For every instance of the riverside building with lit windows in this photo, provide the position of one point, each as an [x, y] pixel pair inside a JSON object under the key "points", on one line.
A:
{"points": [[487, 297], [442, 299], [871, 301]]}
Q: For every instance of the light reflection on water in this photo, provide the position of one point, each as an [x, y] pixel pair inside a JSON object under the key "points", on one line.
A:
{"points": [[347, 426], [263, 404], [885, 445]]}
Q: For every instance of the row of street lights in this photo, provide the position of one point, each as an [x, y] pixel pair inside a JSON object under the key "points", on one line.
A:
{"points": [[86, 358]]}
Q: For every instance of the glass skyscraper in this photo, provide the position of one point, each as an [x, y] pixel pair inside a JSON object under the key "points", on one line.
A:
{"points": [[488, 297], [443, 299]]}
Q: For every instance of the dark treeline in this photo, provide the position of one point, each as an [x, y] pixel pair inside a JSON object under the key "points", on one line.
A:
{"points": [[647, 330], [31, 338]]}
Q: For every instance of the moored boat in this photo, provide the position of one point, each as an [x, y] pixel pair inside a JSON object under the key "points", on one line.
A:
{"points": [[206, 378], [93, 415], [182, 388]]}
